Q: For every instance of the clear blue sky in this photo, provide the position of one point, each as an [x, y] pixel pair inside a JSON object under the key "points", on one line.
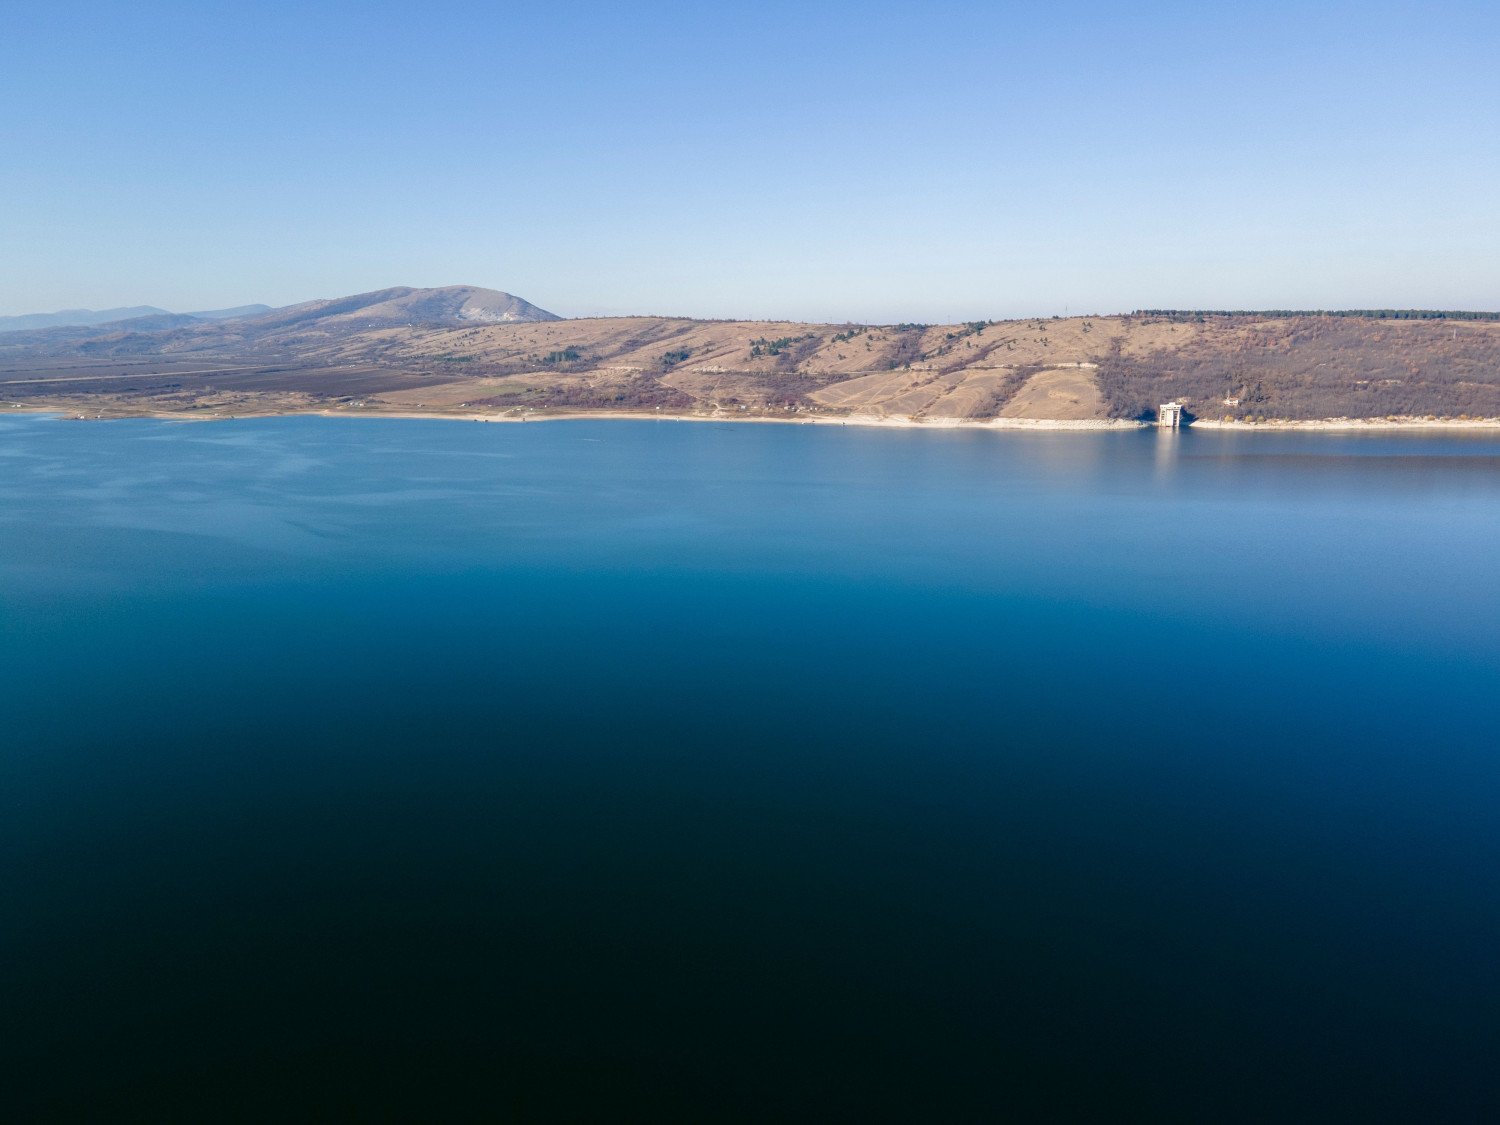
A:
{"points": [[871, 161]]}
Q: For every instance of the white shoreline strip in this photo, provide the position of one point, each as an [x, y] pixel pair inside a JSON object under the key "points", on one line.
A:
{"points": [[878, 421]]}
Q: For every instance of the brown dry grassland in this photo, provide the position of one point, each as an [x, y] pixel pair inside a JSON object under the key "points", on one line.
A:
{"points": [[1065, 369]]}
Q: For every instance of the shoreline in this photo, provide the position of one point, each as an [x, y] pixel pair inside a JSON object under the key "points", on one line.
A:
{"points": [[1346, 425], [869, 421]]}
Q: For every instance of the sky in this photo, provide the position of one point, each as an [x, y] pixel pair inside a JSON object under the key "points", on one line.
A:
{"points": [[813, 161]]}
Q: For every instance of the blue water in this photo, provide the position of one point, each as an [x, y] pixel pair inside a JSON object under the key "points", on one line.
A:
{"points": [[608, 770]]}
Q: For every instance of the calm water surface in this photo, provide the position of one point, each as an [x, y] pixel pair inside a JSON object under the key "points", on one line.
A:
{"points": [[679, 772]]}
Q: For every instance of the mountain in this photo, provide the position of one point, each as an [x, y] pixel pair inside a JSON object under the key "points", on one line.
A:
{"points": [[448, 305], [73, 317], [298, 332], [402, 306]]}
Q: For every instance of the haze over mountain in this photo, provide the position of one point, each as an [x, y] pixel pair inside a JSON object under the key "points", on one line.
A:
{"points": [[73, 318]]}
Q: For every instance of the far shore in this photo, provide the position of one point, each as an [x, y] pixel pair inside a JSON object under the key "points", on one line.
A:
{"points": [[871, 420], [1344, 425], [878, 421]]}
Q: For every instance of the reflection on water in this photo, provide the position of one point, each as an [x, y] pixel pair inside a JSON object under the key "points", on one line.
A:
{"points": [[1167, 450]]}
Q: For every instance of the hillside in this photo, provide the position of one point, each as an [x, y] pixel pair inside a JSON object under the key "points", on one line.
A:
{"points": [[230, 314], [471, 351]]}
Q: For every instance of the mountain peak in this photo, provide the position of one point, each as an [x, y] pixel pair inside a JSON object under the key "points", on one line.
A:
{"points": [[487, 306], [403, 305], [445, 305]]}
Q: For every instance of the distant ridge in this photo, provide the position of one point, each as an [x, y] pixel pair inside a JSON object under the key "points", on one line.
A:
{"points": [[88, 318], [1366, 314], [69, 318]]}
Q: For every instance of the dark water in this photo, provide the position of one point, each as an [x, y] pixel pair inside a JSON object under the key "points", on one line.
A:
{"points": [[687, 772]]}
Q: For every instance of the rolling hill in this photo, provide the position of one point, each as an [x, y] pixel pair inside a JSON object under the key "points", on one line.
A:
{"points": [[478, 352]]}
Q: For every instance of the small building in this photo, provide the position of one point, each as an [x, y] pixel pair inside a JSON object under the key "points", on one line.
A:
{"points": [[1231, 402], [1169, 415]]}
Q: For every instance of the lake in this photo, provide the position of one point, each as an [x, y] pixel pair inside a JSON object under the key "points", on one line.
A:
{"points": [[673, 771]]}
